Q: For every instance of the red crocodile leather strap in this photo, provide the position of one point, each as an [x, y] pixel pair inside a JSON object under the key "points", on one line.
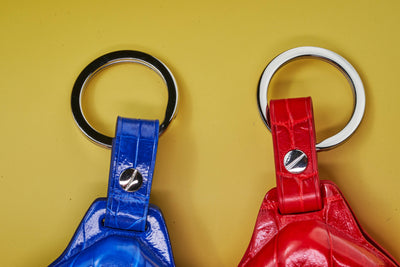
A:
{"points": [[292, 126]]}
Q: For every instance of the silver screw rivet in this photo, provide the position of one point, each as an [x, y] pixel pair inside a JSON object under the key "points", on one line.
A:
{"points": [[131, 180], [295, 161]]}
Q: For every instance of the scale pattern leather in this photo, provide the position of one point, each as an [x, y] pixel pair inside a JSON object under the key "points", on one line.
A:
{"points": [[95, 245], [327, 237], [292, 127], [128, 210], [124, 229]]}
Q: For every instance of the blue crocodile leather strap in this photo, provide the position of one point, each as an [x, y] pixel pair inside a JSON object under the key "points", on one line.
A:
{"points": [[134, 146]]}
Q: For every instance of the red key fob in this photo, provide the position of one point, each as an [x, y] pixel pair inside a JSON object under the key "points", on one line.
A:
{"points": [[305, 221]]}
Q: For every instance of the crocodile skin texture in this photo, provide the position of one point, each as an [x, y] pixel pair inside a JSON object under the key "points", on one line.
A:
{"points": [[124, 229], [292, 127], [328, 237], [135, 146], [286, 233], [95, 245]]}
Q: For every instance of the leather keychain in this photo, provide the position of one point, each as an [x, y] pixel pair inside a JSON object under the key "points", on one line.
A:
{"points": [[123, 229], [305, 221]]}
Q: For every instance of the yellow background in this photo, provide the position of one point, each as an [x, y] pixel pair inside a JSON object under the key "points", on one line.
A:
{"points": [[215, 162]]}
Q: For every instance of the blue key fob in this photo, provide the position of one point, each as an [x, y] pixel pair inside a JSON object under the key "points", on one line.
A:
{"points": [[123, 229]]}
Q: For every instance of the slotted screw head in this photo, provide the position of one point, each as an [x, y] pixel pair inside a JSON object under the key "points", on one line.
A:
{"points": [[131, 180], [295, 161]]}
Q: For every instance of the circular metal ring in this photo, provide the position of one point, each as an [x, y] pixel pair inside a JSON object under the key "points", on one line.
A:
{"points": [[114, 58], [336, 60]]}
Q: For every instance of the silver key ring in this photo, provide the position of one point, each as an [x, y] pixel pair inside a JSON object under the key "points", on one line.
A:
{"points": [[336, 60], [114, 58]]}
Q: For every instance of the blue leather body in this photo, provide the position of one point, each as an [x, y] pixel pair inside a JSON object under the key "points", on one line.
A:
{"points": [[123, 229]]}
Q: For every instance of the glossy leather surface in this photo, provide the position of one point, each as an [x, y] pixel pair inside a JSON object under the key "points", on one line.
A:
{"points": [[292, 127], [134, 146], [95, 245], [328, 237], [305, 222], [122, 229]]}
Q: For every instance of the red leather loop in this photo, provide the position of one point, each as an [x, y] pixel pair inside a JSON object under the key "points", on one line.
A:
{"points": [[292, 126]]}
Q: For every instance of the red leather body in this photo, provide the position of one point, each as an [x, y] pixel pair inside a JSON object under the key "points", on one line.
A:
{"points": [[328, 237]]}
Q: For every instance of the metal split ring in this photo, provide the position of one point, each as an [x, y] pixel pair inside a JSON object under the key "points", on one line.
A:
{"points": [[336, 60], [114, 58]]}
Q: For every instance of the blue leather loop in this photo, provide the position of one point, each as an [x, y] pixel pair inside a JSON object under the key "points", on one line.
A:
{"points": [[134, 146], [124, 229]]}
